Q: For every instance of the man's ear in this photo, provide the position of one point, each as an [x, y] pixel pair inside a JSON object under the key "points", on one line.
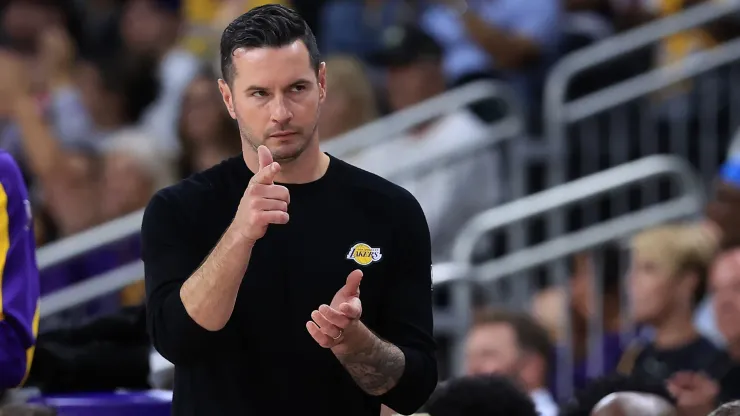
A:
{"points": [[227, 96], [321, 77]]}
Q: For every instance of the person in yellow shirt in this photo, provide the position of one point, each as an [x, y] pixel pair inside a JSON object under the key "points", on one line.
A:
{"points": [[207, 18]]}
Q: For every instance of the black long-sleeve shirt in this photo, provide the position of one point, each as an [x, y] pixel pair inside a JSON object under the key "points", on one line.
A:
{"points": [[264, 361]]}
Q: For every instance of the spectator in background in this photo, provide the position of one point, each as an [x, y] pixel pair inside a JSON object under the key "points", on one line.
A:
{"points": [[647, 397], [513, 345], [133, 171], [25, 25], [19, 277], [513, 40], [471, 182], [724, 286], [666, 282], [208, 135], [722, 214], [114, 93], [549, 306], [151, 29], [350, 102], [484, 395], [356, 27], [206, 19]]}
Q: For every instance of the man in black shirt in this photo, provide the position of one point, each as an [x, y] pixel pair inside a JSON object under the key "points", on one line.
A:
{"points": [[253, 267]]}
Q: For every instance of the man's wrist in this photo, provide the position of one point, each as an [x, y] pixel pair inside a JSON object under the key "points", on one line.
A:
{"points": [[356, 337], [234, 237]]}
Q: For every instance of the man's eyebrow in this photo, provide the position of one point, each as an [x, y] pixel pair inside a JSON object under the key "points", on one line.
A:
{"points": [[260, 88], [255, 88]]}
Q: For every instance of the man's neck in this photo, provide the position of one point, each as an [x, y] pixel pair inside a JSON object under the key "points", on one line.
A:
{"points": [[310, 166], [678, 330]]}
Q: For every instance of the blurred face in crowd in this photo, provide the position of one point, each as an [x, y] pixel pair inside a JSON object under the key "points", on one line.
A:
{"points": [[22, 19], [103, 106], [126, 186], [205, 127], [350, 101], [336, 114], [276, 96], [202, 112], [144, 27], [493, 349], [413, 83], [654, 288], [74, 194], [724, 284]]}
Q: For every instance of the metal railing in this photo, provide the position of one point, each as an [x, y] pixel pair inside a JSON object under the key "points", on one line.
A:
{"points": [[463, 272], [393, 125], [559, 112], [688, 108]]}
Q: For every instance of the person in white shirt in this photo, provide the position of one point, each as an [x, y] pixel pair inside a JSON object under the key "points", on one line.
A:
{"points": [[513, 345], [449, 195]]}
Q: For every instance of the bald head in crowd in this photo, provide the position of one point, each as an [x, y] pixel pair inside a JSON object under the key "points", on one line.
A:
{"points": [[633, 404], [621, 395]]}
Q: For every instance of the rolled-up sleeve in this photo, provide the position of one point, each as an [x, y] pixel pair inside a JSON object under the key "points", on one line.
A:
{"points": [[170, 257], [406, 319], [19, 277]]}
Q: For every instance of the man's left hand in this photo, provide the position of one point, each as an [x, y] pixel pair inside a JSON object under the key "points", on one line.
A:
{"points": [[330, 322]]}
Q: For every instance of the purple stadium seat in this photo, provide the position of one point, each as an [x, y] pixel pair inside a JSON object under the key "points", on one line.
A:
{"points": [[154, 403]]}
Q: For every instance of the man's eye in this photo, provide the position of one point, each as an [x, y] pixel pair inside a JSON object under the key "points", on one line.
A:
{"points": [[259, 94], [298, 88]]}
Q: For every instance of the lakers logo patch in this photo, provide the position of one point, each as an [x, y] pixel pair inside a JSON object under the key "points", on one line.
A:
{"points": [[363, 254]]}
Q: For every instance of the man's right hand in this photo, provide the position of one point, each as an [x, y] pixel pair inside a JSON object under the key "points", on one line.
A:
{"points": [[263, 203]]}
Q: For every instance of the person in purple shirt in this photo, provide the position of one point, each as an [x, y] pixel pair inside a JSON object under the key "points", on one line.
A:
{"points": [[19, 277]]}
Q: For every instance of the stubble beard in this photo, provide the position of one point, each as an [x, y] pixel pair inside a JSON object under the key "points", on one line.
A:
{"points": [[249, 139]]}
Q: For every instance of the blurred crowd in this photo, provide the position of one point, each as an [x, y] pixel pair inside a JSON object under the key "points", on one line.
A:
{"points": [[103, 102]]}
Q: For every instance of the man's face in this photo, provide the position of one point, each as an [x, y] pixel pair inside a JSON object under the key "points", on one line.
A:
{"points": [[724, 284], [651, 288], [492, 349], [275, 96]]}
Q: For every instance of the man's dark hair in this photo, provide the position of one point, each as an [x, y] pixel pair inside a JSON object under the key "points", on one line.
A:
{"points": [[584, 401], [133, 79], [268, 26], [486, 395], [530, 336], [727, 409]]}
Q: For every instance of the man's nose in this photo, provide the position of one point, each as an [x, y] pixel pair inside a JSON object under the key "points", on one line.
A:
{"points": [[281, 114]]}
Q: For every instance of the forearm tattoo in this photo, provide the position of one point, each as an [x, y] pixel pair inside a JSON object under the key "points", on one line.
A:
{"points": [[377, 368]]}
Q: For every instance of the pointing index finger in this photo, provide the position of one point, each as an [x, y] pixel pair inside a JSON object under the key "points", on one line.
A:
{"points": [[268, 168]]}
